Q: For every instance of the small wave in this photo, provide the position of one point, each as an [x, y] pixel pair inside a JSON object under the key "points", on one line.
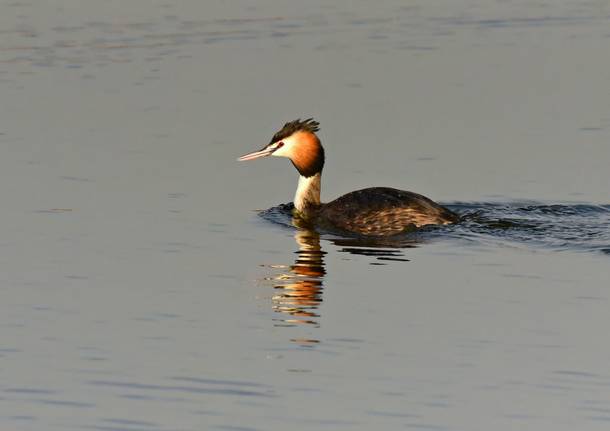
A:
{"points": [[577, 227]]}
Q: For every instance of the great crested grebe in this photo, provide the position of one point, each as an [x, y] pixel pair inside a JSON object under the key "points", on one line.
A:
{"points": [[375, 211]]}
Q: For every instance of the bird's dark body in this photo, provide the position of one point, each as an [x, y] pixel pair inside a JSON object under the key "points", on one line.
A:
{"points": [[382, 211]]}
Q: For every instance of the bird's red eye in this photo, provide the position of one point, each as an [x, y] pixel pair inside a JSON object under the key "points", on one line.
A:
{"points": [[280, 144]]}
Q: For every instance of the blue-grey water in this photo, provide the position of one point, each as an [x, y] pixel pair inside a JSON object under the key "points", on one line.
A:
{"points": [[151, 282]]}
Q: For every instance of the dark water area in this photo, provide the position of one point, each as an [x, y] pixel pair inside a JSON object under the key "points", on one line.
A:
{"points": [[562, 227]]}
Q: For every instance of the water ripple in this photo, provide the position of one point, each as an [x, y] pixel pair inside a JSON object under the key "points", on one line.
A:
{"points": [[180, 388], [569, 227]]}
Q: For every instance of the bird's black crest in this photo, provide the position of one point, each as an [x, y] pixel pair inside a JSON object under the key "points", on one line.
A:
{"points": [[309, 125]]}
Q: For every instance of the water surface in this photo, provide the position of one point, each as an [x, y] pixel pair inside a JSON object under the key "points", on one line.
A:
{"points": [[142, 289]]}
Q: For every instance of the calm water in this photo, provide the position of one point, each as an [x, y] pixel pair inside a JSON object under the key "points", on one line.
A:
{"points": [[142, 288]]}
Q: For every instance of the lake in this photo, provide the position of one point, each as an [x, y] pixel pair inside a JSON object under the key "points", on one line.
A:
{"points": [[152, 282]]}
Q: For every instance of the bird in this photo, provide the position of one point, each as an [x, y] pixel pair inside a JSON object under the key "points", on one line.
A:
{"points": [[373, 211]]}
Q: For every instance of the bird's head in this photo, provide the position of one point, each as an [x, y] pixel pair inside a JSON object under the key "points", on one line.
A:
{"points": [[298, 141]]}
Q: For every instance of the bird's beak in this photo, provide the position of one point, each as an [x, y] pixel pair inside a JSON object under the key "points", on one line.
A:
{"points": [[267, 151]]}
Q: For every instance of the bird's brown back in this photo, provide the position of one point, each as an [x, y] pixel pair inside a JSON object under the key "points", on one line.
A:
{"points": [[383, 211]]}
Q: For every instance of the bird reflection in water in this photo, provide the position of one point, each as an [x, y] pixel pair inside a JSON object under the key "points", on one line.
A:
{"points": [[298, 288], [298, 291]]}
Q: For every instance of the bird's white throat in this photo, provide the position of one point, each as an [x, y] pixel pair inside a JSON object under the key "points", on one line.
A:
{"points": [[307, 196]]}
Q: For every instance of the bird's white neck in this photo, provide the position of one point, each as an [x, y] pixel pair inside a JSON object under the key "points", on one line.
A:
{"points": [[307, 197]]}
